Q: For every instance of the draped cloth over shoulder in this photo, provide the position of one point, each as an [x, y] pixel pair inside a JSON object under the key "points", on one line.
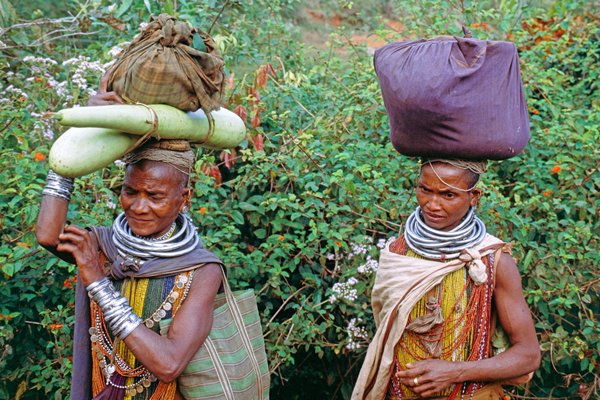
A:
{"points": [[81, 381], [454, 97], [401, 281], [170, 63]]}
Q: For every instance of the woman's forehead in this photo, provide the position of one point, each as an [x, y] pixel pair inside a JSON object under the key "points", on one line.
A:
{"points": [[431, 174]]}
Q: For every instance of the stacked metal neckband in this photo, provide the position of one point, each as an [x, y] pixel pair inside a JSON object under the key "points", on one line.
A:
{"points": [[183, 241], [435, 244]]}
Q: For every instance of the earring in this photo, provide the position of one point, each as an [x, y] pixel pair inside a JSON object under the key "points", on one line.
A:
{"points": [[184, 209]]}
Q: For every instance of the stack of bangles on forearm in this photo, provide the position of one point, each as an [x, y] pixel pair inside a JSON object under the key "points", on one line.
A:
{"points": [[117, 312], [58, 186]]}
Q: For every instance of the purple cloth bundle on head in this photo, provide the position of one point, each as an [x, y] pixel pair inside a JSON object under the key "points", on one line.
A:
{"points": [[454, 98]]}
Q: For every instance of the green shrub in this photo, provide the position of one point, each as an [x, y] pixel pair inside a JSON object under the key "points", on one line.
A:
{"points": [[299, 210]]}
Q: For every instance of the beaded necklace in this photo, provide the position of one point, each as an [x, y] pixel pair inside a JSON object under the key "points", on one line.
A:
{"points": [[104, 348]]}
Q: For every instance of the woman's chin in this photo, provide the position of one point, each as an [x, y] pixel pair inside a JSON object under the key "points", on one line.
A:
{"points": [[143, 231], [435, 223]]}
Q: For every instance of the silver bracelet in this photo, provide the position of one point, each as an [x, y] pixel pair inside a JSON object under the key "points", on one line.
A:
{"points": [[124, 326], [116, 309], [58, 186]]}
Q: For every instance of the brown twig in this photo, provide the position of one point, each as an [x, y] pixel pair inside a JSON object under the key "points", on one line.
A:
{"points": [[10, 121], [284, 303], [70, 20], [383, 222], [218, 16], [294, 98], [303, 150], [32, 253]]}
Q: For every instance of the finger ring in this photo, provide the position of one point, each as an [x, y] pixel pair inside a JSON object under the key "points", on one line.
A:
{"points": [[416, 381]]}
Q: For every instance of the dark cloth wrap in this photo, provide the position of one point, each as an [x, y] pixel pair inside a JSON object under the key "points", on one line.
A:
{"points": [[454, 97]]}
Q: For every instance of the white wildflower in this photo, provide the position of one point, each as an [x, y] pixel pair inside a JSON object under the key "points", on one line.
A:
{"points": [[83, 67], [59, 87], [39, 60], [355, 334], [44, 126], [18, 92], [370, 266], [115, 51], [357, 249], [344, 291], [39, 65]]}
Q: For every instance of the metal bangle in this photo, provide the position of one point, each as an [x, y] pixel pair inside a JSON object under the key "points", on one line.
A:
{"points": [[58, 186], [103, 298], [101, 291], [113, 307], [95, 287], [116, 310], [126, 321]]}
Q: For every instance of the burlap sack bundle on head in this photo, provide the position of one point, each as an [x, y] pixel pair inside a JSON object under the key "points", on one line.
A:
{"points": [[170, 63], [453, 97]]}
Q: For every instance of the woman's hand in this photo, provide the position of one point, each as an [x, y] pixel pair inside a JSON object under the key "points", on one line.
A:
{"points": [[102, 97], [429, 377], [83, 246]]}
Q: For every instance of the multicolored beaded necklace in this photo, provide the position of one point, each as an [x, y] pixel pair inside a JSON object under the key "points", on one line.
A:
{"points": [[110, 363]]}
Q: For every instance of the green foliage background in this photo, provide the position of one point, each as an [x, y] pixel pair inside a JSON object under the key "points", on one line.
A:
{"points": [[297, 211]]}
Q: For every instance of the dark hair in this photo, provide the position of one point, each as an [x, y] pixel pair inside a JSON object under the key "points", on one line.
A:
{"points": [[472, 178]]}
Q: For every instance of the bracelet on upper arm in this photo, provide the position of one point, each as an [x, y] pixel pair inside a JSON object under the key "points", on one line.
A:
{"points": [[116, 309], [58, 186]]}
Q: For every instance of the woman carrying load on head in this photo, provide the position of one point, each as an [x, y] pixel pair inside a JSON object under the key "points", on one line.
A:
{"points": [[441, 290], [148, 267]]}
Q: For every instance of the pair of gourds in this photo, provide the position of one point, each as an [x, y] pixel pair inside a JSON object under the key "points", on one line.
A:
{"points": [[100, 135]]}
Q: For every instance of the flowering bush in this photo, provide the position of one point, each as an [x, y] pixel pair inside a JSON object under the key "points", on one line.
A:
{"points": [[301, 210]]}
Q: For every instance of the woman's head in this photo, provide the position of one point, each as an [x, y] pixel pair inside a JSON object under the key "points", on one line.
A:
{"points": [[445, 192], [155, 189]]}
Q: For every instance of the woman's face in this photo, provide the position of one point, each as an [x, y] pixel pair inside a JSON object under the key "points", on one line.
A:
{"points": [[443, 207], [152, 196]]}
